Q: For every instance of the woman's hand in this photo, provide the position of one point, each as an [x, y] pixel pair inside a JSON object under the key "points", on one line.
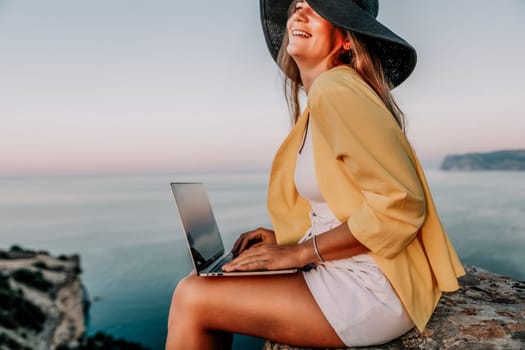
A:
{"points": [[266, 257], [255, 238]]}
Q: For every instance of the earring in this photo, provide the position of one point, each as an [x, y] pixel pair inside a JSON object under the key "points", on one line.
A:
{"points": [[342, 57], [345, 55]]}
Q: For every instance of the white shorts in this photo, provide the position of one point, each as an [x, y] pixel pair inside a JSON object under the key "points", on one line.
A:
{"points": [[355, 296]]}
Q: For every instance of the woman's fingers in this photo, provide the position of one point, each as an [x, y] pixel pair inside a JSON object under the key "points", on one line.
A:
{"points": [[254, 263], [245, 261], [243, 242], [238, 243], [263, 257], [251, 238]]}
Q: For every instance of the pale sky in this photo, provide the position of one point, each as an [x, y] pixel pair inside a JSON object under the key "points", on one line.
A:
{"points": [[128, 86]]}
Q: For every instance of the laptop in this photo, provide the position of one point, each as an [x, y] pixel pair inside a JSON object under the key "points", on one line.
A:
{"points": [[202, 234]]}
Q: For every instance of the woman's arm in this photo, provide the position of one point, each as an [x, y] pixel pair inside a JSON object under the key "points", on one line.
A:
{"points": [[336, 243]]}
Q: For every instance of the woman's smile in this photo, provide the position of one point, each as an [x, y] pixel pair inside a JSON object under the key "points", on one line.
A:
{"points": [[301, 33]]}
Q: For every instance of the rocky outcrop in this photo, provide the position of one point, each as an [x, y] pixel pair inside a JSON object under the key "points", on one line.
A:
{"points": [[43, 304], [42, 300], [488, 312], [499, 160]]}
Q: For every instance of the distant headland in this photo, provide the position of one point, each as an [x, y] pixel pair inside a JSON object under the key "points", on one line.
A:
{"points": [[498, 160]]}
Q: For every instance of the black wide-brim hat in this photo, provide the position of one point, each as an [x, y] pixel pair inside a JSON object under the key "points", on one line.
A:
{"points": [[397, 56]]}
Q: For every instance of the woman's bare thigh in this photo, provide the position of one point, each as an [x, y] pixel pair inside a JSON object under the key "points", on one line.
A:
{"points": [[278, 307]]}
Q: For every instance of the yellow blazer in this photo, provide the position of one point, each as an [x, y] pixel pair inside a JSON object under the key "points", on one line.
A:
{"points": [[370, 178]]}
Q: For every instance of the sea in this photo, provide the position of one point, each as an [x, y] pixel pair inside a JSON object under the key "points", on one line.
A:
{"points": [[127, 231]]}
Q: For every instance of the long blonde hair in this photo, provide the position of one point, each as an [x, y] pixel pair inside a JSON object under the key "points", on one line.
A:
{"points": [[361, 58]]}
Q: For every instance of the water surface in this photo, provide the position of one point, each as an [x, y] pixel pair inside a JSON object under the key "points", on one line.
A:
{"points": [[127, 231]]}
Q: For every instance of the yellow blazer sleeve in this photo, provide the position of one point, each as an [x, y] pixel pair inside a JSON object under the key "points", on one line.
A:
{"points": [[371, 150]]}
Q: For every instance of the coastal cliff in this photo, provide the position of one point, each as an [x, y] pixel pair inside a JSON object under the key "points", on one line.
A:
{"points": [[42, 300], [43, 304], [488, 312], [499, 160]]}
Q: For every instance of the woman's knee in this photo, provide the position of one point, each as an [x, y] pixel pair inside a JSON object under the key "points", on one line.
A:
{"points": [[187, 299], [185, 293]]}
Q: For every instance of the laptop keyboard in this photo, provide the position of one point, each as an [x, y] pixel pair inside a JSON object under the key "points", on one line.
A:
{"points": [[226, 259]]}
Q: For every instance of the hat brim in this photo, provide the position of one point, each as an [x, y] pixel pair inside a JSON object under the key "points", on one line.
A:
{"points": [[397, 56]]}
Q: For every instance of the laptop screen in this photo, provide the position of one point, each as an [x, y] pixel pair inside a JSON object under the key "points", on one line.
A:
{"points": [[199, 223]]}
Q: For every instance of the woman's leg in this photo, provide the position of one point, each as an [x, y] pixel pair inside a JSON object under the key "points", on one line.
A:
{"points": [[279, 307]]}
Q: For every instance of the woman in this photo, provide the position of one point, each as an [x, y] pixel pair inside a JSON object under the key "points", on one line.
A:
{"points": [[346, 195]]}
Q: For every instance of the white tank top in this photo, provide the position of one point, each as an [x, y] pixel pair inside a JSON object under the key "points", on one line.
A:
{"points": [[306, 180]]}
